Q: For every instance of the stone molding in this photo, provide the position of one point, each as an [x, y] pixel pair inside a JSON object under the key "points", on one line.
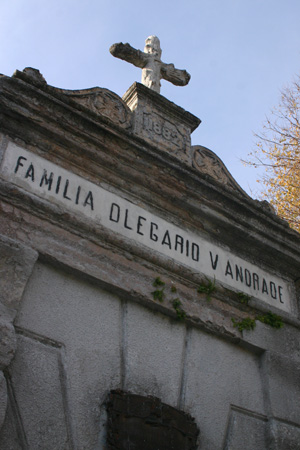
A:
{"points": [[16, 265]]}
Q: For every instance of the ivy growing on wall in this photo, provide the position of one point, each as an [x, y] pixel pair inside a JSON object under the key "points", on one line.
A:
{"points": [[271, 319], [208, 287], [159, 294]]}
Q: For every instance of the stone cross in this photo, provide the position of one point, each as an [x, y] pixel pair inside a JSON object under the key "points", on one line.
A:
{"points": [[153, 69]]}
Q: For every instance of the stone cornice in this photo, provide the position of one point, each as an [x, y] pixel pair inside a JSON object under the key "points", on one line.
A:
{"points": [[99, 149]]}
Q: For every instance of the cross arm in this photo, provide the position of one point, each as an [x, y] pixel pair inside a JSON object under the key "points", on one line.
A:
{"points": [[178, 77], [129, 54]]}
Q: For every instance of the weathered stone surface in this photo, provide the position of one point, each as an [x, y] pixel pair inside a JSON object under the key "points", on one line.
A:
{"points": [[161, 122], [154, 354], [282, 341], [103, 102], [16, 264], [112, 212], [3, 145], [283, 373], [218, 375], [100, 101], [38, 387], [7, 342], [11, 433], [32, 75], [86, 320], [246, 431], [208, 163], [284, 436], [3, 398], [149, 60], [204, 204]]}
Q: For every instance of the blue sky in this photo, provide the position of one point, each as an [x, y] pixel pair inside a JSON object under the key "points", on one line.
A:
{"points": [[240, 53]]}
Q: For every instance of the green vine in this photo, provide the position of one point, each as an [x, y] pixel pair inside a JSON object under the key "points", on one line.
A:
{"points": [[243, 298], [158, 294], [207, 288], [245, 324], [158, 282], [181, 314], [248, 324], [271, 319]]}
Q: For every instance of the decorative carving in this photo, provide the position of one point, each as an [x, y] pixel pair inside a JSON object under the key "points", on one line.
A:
{"points": [[161, 122], [99, 100], [150, 61], [208, 163], [159, 127], [103, 102]]}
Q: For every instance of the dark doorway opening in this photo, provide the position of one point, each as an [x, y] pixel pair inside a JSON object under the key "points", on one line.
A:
{"points": [[136, 422]]}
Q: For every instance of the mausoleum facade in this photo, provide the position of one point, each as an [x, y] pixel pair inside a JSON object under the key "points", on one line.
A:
{"points": [[146, 300]]}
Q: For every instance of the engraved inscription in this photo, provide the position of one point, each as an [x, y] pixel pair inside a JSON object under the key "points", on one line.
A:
{"points": [[79, 196], [162, 129]]}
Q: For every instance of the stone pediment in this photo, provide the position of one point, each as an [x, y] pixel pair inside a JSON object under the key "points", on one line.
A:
{"points": [[103, 102], [208, 163], [100, 101], [147, 115]]}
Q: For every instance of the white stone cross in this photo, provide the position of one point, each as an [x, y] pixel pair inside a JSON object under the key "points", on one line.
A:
{"points": [[150, 61]]}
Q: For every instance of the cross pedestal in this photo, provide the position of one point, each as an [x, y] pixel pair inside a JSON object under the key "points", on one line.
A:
{"points": [[161, 122]]}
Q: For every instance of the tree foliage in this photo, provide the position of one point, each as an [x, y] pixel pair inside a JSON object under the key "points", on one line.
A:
{"points": [[278, 151]]}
